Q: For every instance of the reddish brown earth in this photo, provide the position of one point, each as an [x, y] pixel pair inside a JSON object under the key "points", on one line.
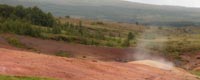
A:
{"points": [[13, 62], [192, 61], [4, 44], [77, 50]]}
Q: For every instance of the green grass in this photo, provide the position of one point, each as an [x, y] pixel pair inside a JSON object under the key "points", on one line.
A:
{"points": [[3, 77]]}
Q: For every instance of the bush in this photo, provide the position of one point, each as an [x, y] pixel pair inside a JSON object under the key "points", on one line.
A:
{"points": [[131, 36], [109, 44], [126, 43], [19, 27], [56, 30], [15, 42], [63, 54]]}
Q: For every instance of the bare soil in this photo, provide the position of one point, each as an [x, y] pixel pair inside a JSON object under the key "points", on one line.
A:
{"points": [[22, 63]]}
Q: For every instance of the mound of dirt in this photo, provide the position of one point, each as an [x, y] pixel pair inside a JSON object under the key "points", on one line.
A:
{"points": [[156, 64], [163, 65], [22, 63]]}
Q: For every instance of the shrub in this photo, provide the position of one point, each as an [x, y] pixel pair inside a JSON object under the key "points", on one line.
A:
{"points": [[131, 36], [63, 54], [126, 43], [15, 42], [19, 27]]}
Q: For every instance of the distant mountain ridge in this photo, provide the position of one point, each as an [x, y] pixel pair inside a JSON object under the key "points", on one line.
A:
{"points": [[117, 10]]}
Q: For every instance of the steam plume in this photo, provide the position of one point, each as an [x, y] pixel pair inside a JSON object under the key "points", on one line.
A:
{"points": [[148, 39]]}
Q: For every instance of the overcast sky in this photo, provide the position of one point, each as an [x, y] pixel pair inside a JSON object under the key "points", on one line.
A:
{"points": [[186, 3]]}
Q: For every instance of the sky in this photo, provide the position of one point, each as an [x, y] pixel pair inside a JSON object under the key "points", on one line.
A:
{"points": [[185, 3]]}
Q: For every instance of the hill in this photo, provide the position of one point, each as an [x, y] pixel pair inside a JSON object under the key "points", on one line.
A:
{"points": [[104, 43], [117, 10], [151, 40]]}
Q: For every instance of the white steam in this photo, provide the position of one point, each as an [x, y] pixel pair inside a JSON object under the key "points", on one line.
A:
{"points": [[152, 38]]}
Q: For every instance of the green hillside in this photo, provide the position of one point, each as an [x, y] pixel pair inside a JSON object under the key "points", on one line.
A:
{"points": [[36, 23], [117, 10]]}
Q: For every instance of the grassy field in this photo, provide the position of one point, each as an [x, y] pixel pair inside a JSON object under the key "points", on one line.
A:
{"points": [[170, 41]]}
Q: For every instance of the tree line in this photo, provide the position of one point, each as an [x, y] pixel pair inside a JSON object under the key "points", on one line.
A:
{"points": [[32, 21], [34, 15]]}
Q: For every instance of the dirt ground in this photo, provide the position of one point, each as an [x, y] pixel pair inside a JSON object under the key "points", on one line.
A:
{"points": [[192, 61], [21, 63], [76, 50]]}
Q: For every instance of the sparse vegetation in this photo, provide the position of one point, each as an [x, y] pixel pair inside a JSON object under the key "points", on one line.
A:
{"points": [[127, 41], [18, 22], [2, 77], [196, 73], [15, 42], [19, 27], [177, 48], [95, 32], [63, 54]]}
